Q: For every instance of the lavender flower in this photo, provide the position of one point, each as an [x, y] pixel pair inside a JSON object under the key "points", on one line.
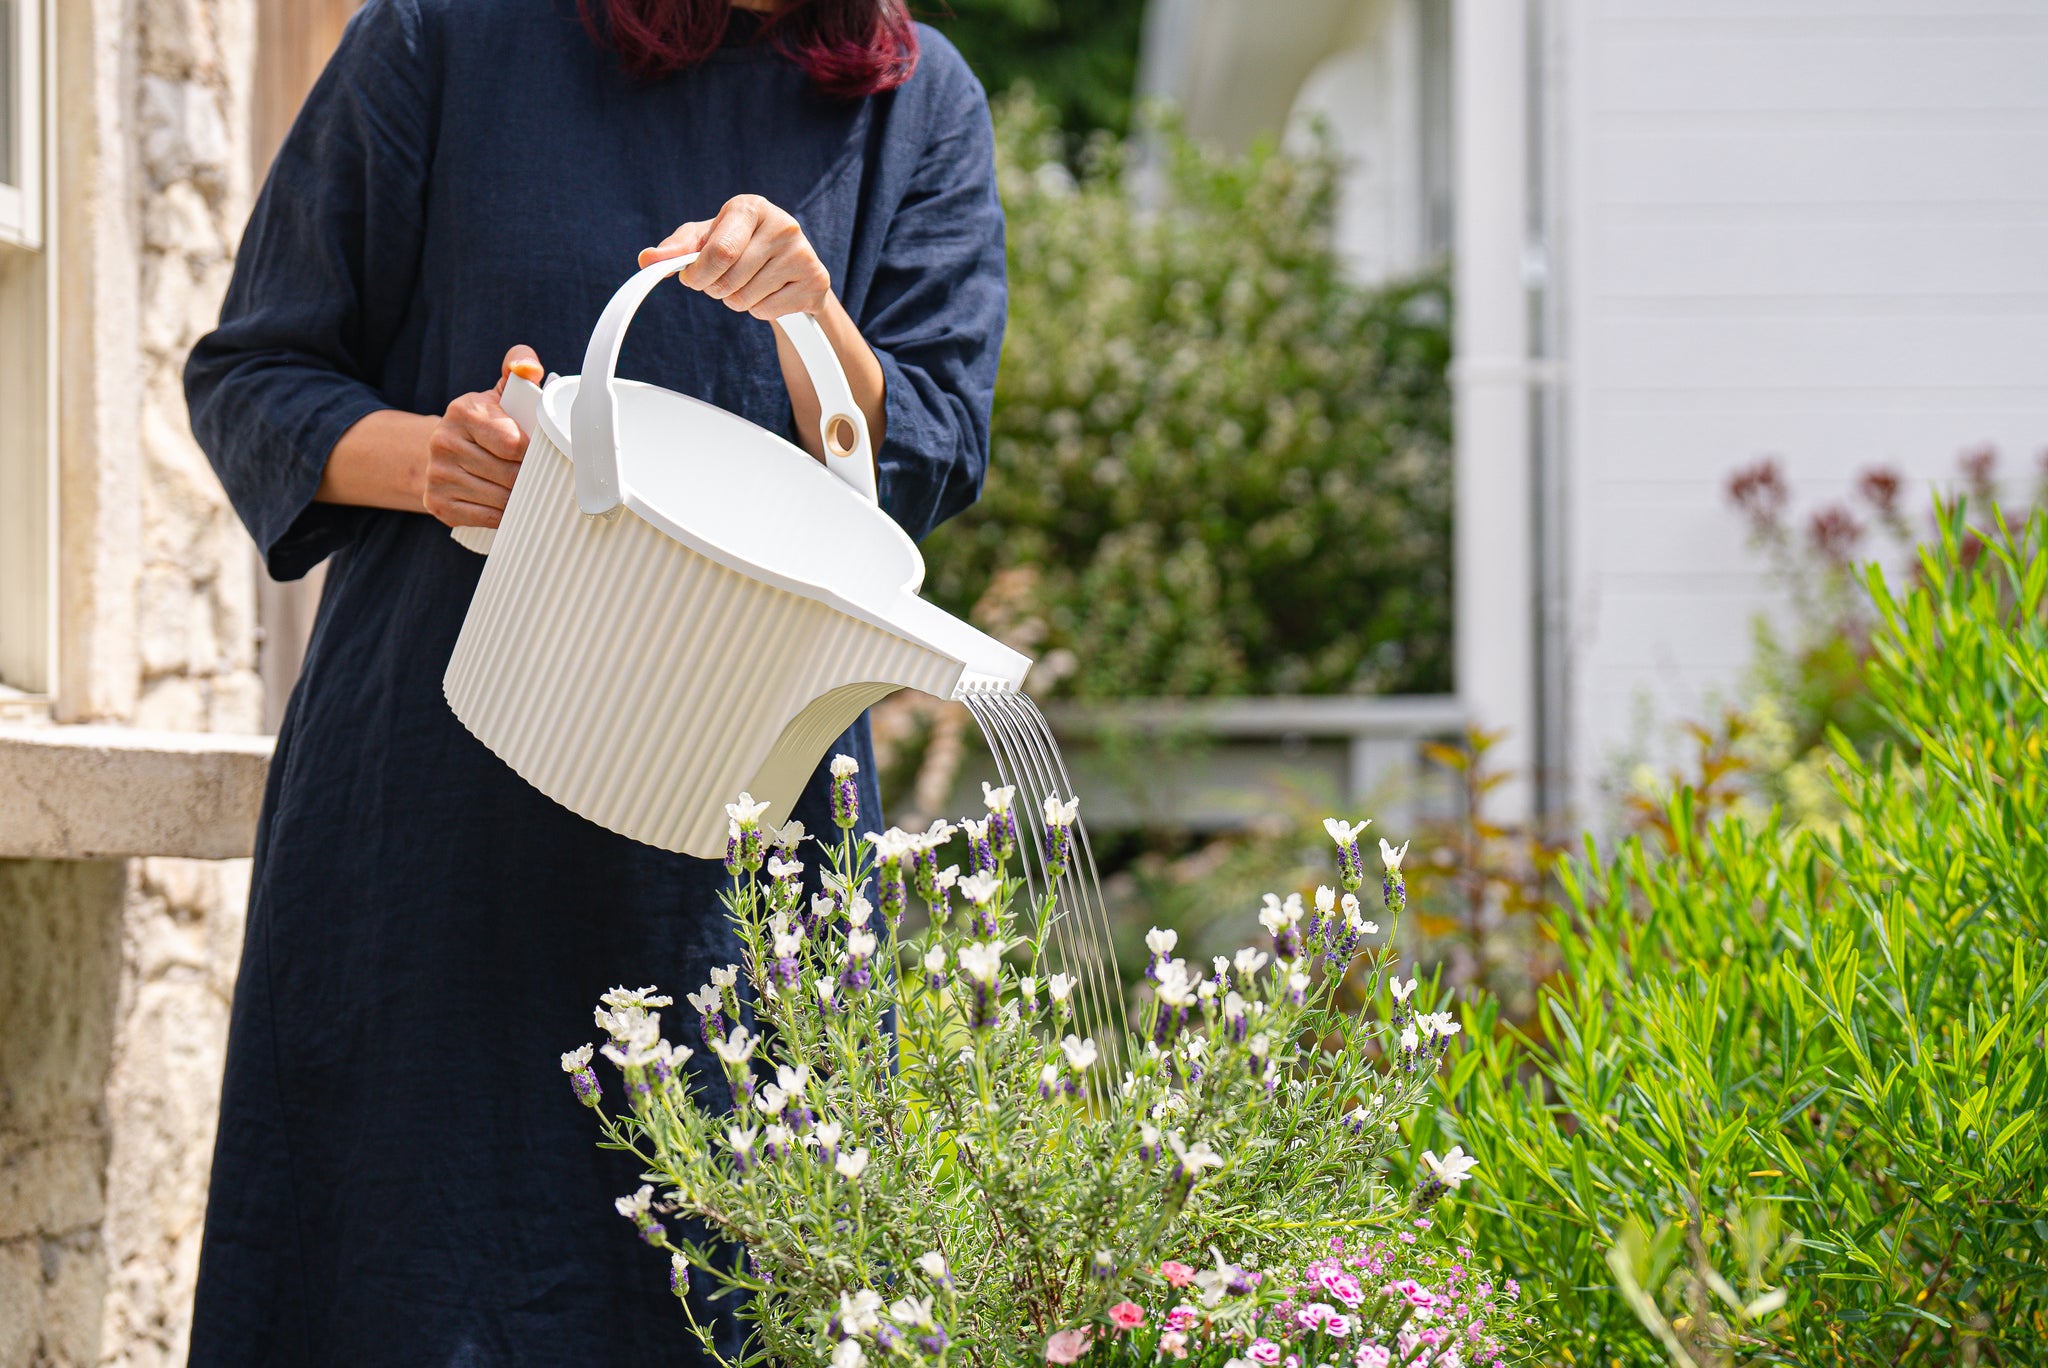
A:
{"points": [[582, 1078], [1059, 841], [1443, 1175], [1002, 822], [1350, 867], [845, 798], [982, 963], [1392, 886], [638, 1209], [981, 853]]}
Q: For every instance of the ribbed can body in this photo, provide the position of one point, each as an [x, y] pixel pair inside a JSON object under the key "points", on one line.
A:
{"points": [[643, 685]]}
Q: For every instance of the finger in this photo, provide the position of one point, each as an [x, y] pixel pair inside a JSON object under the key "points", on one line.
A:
{"points": [[448, 484], [483, 422], [485, 465], [724, 244], [762, 268], [794, 297], [459, 513], [522, 361], [682, 242]]}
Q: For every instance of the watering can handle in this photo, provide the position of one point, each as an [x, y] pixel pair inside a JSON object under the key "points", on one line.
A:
{"points": [[593, 434]]}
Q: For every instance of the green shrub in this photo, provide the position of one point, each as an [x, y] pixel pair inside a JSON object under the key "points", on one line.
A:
{"points": [[1218, 467], [1081, 56], [1779, 1061]]}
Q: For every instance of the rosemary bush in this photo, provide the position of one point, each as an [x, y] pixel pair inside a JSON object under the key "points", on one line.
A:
{"points": [[1785, 1104], [923, 1158]]}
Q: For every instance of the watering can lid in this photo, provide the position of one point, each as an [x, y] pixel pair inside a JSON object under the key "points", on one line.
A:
{"points": [[746, 497]]}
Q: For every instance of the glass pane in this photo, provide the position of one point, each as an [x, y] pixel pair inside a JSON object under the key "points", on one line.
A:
{"points": [[7, 88]]}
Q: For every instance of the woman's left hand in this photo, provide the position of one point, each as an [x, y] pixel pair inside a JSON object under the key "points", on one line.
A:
{"points": [[753, 256]]}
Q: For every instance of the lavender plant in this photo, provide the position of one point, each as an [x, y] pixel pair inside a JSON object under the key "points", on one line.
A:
{"points": [[924, 1157]]}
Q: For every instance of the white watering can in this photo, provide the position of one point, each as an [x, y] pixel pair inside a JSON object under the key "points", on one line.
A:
{"points": [[679, 605]]}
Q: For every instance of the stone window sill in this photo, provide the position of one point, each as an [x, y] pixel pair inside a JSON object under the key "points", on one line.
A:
{"points": [[97, 792]]}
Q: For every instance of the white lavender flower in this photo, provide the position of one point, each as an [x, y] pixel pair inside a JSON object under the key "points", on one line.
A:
{"points": [[1392, 887], [582, 1078], [845, 797], [636, 997], [1441, 1175], [1060, 986], [1081, 1054], [851, 1164], [1059, 839], [1350, 868], [981, 960], [859, 1314], [638, 1209], [1190, 1160]]}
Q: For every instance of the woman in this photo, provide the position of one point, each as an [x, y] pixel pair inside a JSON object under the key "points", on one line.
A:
{"points": [[402, 1174]]}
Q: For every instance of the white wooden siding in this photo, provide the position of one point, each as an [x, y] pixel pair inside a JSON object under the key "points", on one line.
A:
{"points": [[1814, 228]]}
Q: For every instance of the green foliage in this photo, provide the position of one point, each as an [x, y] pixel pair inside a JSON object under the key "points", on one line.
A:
{"points": [[1218, 468], [1842, 1031], [1081, 58]]}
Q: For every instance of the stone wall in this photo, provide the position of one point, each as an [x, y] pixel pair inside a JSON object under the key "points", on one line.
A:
{"points": [[116, 978], [181, 928]]}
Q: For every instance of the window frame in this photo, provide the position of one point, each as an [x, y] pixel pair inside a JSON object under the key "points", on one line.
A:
{"points": [[28, 457]]}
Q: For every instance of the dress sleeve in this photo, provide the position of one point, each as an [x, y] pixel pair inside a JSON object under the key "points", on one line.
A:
{"points": [[323, 279], [934, 316]]}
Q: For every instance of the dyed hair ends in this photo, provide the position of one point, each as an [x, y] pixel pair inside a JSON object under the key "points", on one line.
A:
{"points": [[848, 48]]}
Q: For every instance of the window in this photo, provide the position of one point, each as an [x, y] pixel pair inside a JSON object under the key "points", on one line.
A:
{"points": [[27, 466], [21, 140]]}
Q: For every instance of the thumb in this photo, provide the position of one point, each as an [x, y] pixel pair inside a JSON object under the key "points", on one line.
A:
{"points": [[521, 361]]}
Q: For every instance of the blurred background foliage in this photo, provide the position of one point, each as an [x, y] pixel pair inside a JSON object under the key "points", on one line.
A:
{"points": [[1081, 58], [1216, 464]]}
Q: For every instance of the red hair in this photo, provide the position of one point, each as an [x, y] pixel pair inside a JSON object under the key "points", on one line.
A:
{"points": [[849, 48]]}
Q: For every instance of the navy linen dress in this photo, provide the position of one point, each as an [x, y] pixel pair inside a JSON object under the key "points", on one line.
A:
{"points": [[402, 1174]]}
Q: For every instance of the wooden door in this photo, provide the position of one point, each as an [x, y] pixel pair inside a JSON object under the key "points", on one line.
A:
{"points": [[293, 41]]}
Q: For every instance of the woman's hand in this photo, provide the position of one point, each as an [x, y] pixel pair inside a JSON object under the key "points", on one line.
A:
{"points": [[756, 259], [474, 452], [753, 257]]}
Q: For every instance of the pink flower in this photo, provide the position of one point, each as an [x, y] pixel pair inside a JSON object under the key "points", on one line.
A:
{"points": [[1177, 1274], [1422, 1222], [1312, 1315], [1337, 1327], [1127, 1315], [1067, 1346], [1372, 1356], [1407, 1238], [1175, 1343], [1182, 1317], [1341, 1285], [1413, 1292], [1264, 1351]]}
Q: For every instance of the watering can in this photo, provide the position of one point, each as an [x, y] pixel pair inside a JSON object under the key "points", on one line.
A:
{"points": [[679, 605]]}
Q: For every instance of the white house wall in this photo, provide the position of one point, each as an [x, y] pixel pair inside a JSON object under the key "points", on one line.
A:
{"points": [[1811, 228]]}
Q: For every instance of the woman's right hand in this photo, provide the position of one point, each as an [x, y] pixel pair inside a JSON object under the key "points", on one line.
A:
{"points": [[473, 454]]}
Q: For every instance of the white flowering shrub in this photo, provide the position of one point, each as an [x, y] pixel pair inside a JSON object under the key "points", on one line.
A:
{"points": [[924, 1158]]}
